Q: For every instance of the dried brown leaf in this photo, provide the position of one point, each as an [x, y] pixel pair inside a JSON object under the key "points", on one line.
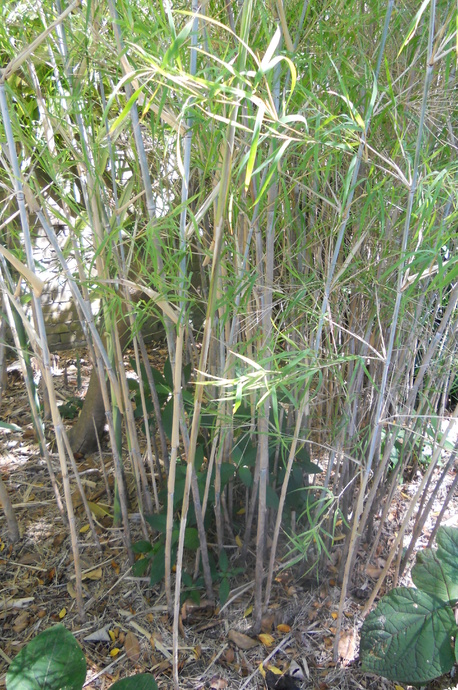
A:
{"points": [[373, 571], [267, 623], [132, 646], [347, 645], [21, 622], [229, 655], [242, 641]]}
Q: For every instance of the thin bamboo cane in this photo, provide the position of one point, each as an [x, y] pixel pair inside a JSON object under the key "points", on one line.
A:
{"points": [[44, 348], [11, 521], [156, 405], [149, 449], [210, 315], [412, 505], [422, 515], [103, 364], [31, 393]]}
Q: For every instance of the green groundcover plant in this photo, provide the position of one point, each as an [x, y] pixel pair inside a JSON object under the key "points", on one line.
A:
{"points": [[412, 635], [54, 661]]}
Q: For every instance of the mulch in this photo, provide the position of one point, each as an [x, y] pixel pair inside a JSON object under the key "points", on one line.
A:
{"points": [[127, 628]]}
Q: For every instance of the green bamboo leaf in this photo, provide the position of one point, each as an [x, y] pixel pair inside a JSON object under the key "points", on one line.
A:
{"points": [[274, 162], [254, 145], [10, 427], [268, 55], [173, 51], [414, 25]]}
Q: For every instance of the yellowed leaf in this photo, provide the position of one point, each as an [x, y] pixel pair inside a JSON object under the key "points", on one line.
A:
{"points": [[334, 615], [95, 574], [62, 613], [238, 541], [98, 510], [267, 640], [84, 529], [242, 641], [71, 590], [275, 670], [112, 634], [29, 275], [248, 611], [398, 687], [283, 628], [115, 651], [132, 646]]}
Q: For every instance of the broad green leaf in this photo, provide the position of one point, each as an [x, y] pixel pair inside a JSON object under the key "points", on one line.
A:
{"points": [[303, 456], [246, 476], [158, 567], [447, 540], [157, 522], [272, 499], [224, 590], [227, 473], [140, 567], [142, 681], [435, 576], [223, 561], [142, 546], [51, 661], [408, 637], [191, 538]]}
